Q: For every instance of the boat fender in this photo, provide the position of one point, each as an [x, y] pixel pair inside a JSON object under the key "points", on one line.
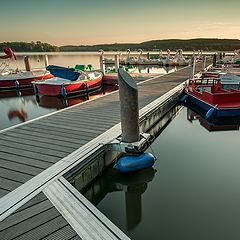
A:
{"points": [[183, 99], [17, 84], [35, 89], [63, 91], [209, 113], [130, 163]]}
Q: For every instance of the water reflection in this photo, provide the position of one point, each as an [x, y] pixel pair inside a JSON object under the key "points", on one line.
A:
{"points": [[155, 69], [132, 184], [21, 114], [223, 124], [20, 106], [58, 102], [195, 193]]}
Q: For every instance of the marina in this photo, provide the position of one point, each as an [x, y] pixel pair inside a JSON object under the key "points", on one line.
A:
{"points": [[56, 182], [119, 120], [61, 154]]}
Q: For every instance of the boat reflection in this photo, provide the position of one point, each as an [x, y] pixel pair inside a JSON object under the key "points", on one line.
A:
{"points": [[17, 93], [133, 184], [224, 124], [57, 102], [60, 102], [21, 114]]}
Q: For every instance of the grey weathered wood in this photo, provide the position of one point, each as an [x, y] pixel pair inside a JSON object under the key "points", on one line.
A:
{"points": [[41, 130], [22, 216], [35, 155], [19, 167], [14, 175], [36, 149], [29, 143], [9, 185], [46, 140], [84, 218], [25, 160]]}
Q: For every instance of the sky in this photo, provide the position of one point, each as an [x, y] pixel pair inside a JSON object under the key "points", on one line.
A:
{"points": [[89, 22]]}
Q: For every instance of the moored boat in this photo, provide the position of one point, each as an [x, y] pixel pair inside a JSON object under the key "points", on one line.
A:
{"points": [[22, 79], [68, 81], [15, 78], [213, 99]]}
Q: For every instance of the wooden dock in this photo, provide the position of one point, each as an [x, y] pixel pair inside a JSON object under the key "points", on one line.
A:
{"points": [[34, 156]]}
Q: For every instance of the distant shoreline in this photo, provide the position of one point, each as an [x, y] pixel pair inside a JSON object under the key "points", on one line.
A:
{"points": [[205, 44]]}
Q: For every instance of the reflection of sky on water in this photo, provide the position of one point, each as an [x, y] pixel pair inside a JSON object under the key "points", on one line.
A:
{"points": [[193, 195], [17, 106]]}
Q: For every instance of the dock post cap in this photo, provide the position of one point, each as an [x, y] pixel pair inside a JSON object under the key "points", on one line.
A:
{"points": [[125, 77]]}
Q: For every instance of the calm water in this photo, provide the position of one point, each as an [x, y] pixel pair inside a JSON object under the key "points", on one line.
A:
{"points": [[16, 109], [192, 192]]}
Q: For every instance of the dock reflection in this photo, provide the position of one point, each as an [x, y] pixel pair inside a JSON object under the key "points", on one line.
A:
{"points": [[132, 184]]}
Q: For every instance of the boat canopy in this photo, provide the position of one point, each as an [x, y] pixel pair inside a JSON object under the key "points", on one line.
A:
{"points": [[63, 72]]}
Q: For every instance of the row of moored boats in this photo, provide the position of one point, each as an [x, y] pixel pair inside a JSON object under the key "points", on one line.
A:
{"points": [[50, 81]]}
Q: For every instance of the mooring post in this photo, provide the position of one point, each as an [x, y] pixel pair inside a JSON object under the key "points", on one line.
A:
{"points": [[192, 68], [204, 59], [102, 63], [27, 63], [148, 56], [116, 62], [128, 95], [214, 60], [46, 60]]}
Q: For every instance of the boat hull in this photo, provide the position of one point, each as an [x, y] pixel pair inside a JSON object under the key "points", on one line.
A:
{"points": [[22, 80], [80, 87], [218, 112]]}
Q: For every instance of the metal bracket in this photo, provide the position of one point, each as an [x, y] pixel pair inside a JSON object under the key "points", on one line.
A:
{"points": [[134, 147]]}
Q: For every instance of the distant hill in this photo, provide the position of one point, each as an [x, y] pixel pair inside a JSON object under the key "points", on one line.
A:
{"points": [[206, 44]]}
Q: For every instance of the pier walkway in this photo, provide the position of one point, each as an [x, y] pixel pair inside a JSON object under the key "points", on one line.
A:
{"points": [[33, 154]]}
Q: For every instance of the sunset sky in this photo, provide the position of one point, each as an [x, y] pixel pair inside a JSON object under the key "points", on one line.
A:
{"points": [[77, 22]]}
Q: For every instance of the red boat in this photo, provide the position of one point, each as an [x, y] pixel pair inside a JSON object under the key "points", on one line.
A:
{"points": [[15, 79], [68, 81], [213, 99], [22, 79]]}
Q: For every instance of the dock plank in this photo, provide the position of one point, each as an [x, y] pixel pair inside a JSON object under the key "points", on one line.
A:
{"points": [[35, 155], [22, 146], [19, 167], [14, 175], [9, 185], [36, 221], [25, 161], [35, 143]]}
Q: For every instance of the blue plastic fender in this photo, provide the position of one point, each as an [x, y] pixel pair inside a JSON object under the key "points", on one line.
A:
{"points": [[63, 91], [183, 99], [130, 163], [209, 113]]}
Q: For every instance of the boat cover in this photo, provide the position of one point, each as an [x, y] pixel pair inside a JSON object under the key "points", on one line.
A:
{"points": [[63, 72]]}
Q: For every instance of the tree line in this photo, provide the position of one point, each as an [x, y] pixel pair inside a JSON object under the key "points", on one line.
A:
{"points": [[205, 44], [30, 47]]}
